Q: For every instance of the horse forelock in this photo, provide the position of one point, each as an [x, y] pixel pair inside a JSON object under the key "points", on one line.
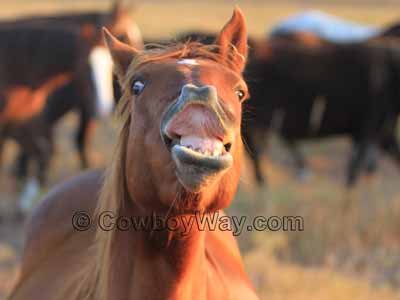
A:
{"points": [[188, 50]]}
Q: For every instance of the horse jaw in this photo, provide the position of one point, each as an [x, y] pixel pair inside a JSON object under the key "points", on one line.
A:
{"points": [[102, 68]]}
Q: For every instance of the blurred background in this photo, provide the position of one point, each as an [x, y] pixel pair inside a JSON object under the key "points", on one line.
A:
{"points": [[350, 245]]}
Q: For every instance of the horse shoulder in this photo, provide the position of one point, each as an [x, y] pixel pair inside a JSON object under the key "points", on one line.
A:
{"points": [[53, 246]]}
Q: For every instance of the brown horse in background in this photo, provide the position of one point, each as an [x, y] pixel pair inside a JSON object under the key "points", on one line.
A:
{"points": [[89, 100], [179, 153], [305, 88], [90, 94], [34, 62]]}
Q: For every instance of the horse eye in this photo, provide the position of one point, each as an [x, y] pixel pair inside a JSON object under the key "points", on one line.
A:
{"points": [[240, 94], [137, 87]]}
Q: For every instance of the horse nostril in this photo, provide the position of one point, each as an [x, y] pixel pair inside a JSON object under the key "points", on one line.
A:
{"points": [[228, 147], [205, 94]]}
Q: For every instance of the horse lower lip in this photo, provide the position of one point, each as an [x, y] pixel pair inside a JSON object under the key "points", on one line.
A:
{"points": [[194, 169], [191, 157]]}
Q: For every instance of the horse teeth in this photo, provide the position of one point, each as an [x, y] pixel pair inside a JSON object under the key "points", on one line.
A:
{"points": [[205, 146]]}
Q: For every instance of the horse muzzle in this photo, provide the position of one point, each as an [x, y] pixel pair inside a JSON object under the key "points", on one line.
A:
{"points": [[196, 131]]}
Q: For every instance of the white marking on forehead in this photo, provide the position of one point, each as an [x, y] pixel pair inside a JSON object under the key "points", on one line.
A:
{"points": [[191, 62]]}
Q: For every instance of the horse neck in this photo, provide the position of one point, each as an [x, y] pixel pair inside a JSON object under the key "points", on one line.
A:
{"points": [[159, 265]]}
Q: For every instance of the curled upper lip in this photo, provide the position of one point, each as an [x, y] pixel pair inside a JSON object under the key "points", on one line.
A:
{"points": [[170, 140], [168, 137], [198, 112]]}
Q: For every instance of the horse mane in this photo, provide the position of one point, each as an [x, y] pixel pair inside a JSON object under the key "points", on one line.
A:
{"points": [[114, 193]]}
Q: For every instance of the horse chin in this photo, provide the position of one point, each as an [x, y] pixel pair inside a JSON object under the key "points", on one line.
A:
{"points": [[197, 171]]}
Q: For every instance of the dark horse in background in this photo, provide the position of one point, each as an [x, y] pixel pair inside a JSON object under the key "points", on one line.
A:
{"points": [[35, 62], [289, 78], [91, 99], [318, 90]]}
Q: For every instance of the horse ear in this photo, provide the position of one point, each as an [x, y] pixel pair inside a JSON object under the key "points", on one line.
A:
{"points": [[232, 40], [117, 9], [122, 54]]}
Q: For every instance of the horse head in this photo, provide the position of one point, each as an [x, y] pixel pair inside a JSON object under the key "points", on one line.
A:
{"points": [[181, 144]]}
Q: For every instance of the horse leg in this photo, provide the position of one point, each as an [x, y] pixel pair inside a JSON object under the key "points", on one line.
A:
{"points": [[22, 165], [84, 136], [355, 164], [3, 137], [371, 160], [86, 104], [299, 160], [43, 162], [254, 150], [41, 145], [2, 141], [391, 146], [363, 153]]}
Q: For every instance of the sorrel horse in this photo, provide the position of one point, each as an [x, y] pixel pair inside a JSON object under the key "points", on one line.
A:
{"points": [[90, 100], [179, 153]]}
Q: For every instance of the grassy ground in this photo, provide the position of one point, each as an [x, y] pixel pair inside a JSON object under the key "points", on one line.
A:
{"points": [[349, 248]]}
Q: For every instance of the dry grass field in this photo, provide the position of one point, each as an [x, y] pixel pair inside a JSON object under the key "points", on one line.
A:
{"points": [[350, 245]]}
